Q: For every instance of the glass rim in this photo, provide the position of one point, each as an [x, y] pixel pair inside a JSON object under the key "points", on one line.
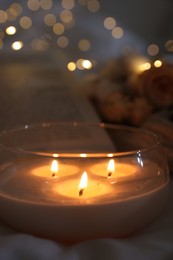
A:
{"points": [[155, 138]]}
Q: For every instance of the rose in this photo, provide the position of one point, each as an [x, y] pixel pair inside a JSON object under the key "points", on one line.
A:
{"points": [[156, 84]]}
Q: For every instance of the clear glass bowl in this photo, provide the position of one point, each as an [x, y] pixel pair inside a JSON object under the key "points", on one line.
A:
{"points": [[76, 181]]}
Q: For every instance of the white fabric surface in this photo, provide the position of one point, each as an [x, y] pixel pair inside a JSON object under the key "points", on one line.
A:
{"points": [[155, 242]]}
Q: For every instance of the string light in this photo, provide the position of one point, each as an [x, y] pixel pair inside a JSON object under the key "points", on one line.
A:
{"points": [[50, 19], [109, 23], [3, 16], [14, 12], [153, 49], [84, 45], [10, 30], [17, 45], [25, 22], [71, 66], [117, 32], [158, 63]]}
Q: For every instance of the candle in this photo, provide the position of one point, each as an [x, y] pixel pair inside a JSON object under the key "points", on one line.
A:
{"points": [[51, 168], [115, 170], [68, 210], [83, 189]]}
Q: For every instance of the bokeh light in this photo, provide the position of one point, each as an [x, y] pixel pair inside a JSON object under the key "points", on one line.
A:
{"points": [[117, 32], [84, 45], [87, 64], [67, 4], [3, 16], [25, 22], [10, 30], [62, 41], [17, 8], [58, 28], [145, 66], [17, 45], [50, 19], [169, 45], [66, 16], [153, 49], [109, 23], [33, 5], [71, 66], [93, 6], [158, 63], [46, 4]]}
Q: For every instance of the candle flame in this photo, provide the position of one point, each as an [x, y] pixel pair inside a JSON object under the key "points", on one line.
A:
{"points": [[54, 167], [83, 183], [111, 167]]}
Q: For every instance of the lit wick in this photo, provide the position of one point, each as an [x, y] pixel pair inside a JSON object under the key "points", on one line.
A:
{"points": [[83, 183], [109, 174], [54, 168], [111, 168], [81, 192]]}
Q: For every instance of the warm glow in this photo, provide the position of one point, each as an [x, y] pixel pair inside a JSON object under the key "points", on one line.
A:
{"points": [[71, 66], [10, 30], [111, 166], [33, 5], [93, 6], [17, 45], [16, 9], [110, 155], [62, 41], [84, 45], [84, 181], [169, 45], [55, 155], [3, 16], [83, 155], [50, 19], [46, 4], [58, 28], [153, 49], [66, 16], [145, 66], [87, 64], [109, 23], [25, 22], [11, 14], [54, 167], [67, 4], [158, 63], [79, 64], [117, 32]]}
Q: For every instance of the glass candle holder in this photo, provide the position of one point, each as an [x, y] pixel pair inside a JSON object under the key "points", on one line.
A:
{"points": [[76, 181]]}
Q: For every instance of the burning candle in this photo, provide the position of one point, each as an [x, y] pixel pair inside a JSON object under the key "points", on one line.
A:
{"points": [[57, 208], [115, 170], [47, 168], [84, 188]]}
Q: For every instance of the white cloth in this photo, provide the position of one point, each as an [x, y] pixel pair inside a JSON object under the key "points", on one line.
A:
{"points": [[155, 242]]}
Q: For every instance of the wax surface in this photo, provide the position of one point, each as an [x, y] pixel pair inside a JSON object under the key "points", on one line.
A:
{"points": [[19, 182]]}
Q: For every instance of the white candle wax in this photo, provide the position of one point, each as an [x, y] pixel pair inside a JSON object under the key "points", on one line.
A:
{"points": [[121, 170], [41, 206]]}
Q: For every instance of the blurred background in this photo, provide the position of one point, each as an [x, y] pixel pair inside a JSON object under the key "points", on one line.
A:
{"points": [[117, 52], [80, 35]]}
